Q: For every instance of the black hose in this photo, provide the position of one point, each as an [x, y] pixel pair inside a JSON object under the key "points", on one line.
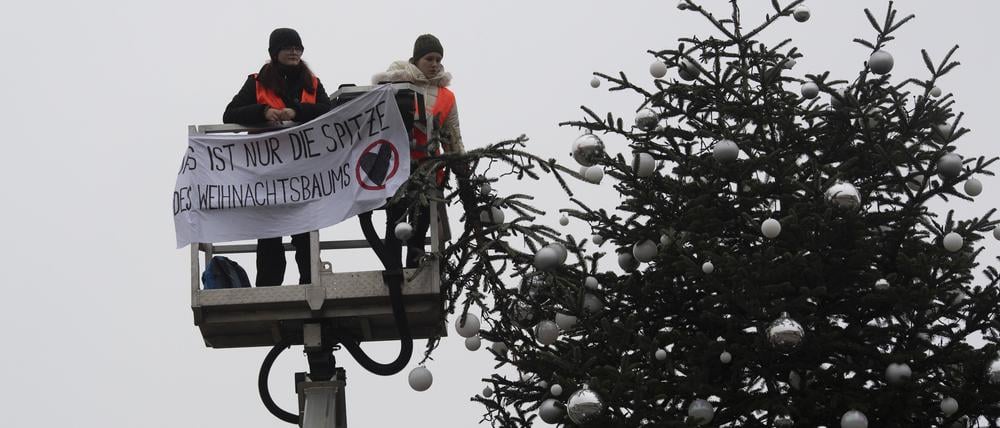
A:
{"points": [[265, 394]]}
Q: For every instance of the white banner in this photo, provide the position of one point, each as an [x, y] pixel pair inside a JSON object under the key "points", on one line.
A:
{"points": [[315, 175]]}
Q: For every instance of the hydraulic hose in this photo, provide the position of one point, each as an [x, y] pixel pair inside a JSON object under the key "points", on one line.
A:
{"points": [[265, 394]]}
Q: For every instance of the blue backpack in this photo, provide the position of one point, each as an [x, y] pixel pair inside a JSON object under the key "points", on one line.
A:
{"points": [[222, 272]]}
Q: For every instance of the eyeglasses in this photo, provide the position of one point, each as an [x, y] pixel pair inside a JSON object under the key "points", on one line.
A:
{"points": [[293, 48]]}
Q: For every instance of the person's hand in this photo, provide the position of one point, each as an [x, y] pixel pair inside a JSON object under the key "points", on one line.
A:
{"points": [[287, 114], [272, 115]]}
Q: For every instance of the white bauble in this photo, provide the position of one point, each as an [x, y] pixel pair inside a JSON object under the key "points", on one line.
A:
{"points": [[546, 332], [556, 390], [701, 411], [473, 343], [660, 355], [468, 327], [801, 13], [882, 284], [584, 405], [592, 303], [725, 151], [420, 378], [597, 239], [973, 187], [853, 419], [949, 406], [627, 262], [591, 283], [658, 69], [595, 83], [547, 257], [898, 373], [953, 242], [594, 174], [550, 412], [491, 215], [935, 92], [771, 228], [809, 90], [880, 62], [950, 165], [707, 267], [403, 231], [563, 220], [996, 232], [725, 357], [565, 321], [499, 348], [643, 164], [644, 251]]}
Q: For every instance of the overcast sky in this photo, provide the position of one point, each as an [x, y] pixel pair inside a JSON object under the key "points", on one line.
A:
{"points": [[96, 304]]}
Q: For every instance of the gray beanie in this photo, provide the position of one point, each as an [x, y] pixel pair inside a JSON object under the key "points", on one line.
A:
{"points": [[424, 45]]}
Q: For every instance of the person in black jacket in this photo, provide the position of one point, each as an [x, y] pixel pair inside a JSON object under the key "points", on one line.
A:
{"points": [[284, 90]]}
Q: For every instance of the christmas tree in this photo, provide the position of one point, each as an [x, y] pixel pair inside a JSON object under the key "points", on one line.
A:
{"points": [[777, 260]]}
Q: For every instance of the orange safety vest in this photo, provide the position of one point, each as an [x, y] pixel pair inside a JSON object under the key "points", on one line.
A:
{"points": [[439, 113], [269, 97]]}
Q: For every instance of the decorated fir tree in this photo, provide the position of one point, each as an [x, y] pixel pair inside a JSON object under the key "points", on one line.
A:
{"points": [[777, 261]]}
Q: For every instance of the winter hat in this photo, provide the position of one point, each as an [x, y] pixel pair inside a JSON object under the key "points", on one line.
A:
{"points": [[283, 38], [424, 45]]}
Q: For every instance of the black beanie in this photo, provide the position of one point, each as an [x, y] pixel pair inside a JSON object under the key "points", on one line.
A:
{"points": [[424, 45], [283, 38]]}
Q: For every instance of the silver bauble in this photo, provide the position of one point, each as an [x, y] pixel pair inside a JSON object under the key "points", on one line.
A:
{"points": [[935, 92], [880, 62], [546, 258], [597, 239], [993, 371], [725, 151], [473, 343], [587, 149], [725, 357], [785, 334], [701, 411], [627, 262], [898, 373], [784, 421], [565, 321], [550, 412], [950, 165], [646, 119], [949, 406], [644, 251], [584, 406], [595, 83], [594, 174], [564, 220], [843, 196], [658, 69], [499, 348], [643, 164], [687, 69], [809, 90], [770, 228], [973, 187], [591, 283], [592, 303], [996, 232], [403, 231], [660, 354], [882, 284], [853, 419], [420, 378], [487, 392], [953, 242], [801, 13], [468, 325], [546, 332], [943, 132], [561, 250], [491, 215]]}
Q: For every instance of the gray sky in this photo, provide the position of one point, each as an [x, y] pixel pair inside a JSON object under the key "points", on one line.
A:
{"points": [[96, 303]]}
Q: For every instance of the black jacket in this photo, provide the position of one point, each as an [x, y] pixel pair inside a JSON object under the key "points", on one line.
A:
{"points": [[245, 110]]}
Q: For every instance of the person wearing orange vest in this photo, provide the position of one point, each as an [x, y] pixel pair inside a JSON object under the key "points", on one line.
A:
{"points": [[285, 89], [423, 69]]}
